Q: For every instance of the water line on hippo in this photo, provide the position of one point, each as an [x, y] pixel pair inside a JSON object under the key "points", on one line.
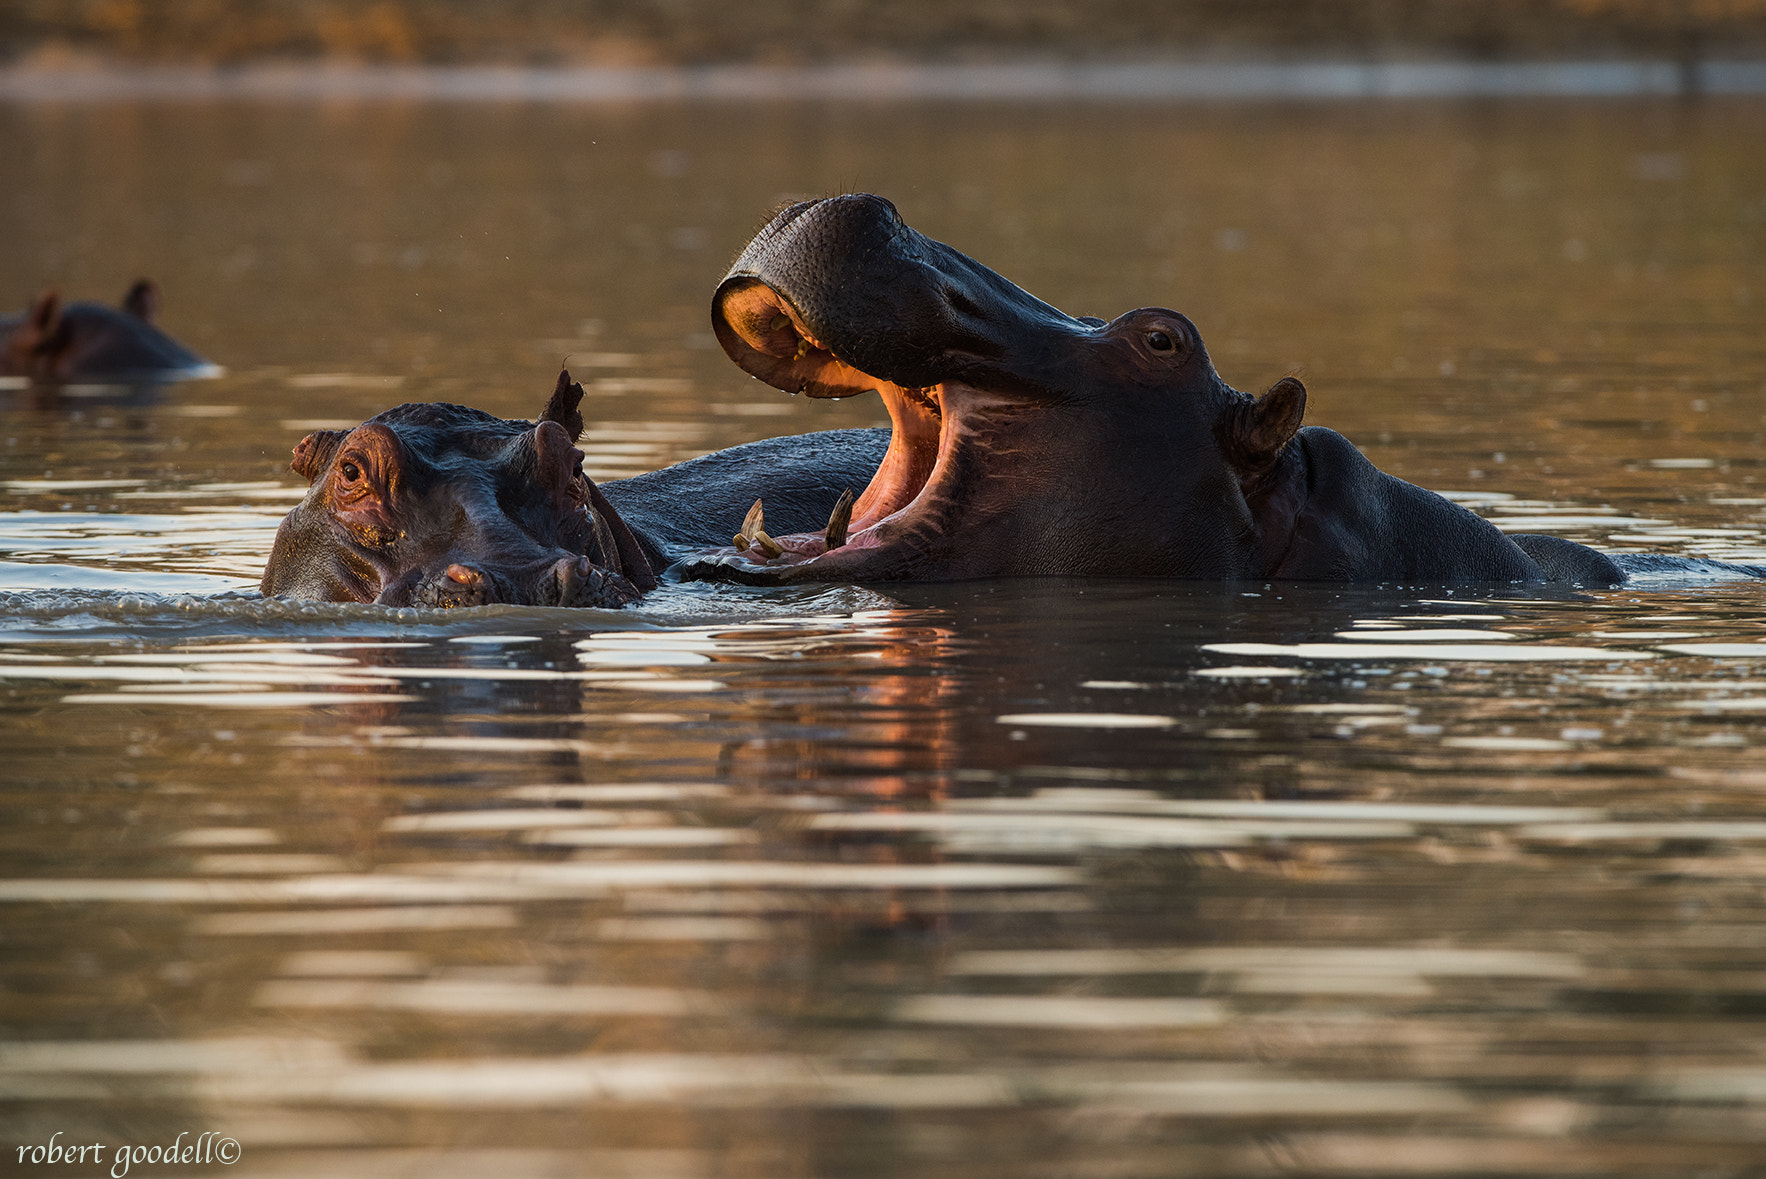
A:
{"points": [[1022, 442]]}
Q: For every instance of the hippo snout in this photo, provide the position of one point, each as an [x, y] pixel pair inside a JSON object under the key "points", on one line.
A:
{"points": [[839, 293], [567, 581]]}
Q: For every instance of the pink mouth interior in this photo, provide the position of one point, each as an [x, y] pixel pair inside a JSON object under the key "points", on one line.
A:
{"points": [[777, 347]]}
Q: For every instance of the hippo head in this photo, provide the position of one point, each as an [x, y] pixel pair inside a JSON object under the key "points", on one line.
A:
{"points": [[1025, 440], [55, 342], [440, 506]]}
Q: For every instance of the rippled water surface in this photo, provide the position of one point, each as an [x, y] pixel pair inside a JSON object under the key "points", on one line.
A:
{"points": [[1066, 878]]}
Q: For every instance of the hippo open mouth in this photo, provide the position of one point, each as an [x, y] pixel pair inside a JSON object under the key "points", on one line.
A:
{"points": [[894, 515], [1024, 440]]}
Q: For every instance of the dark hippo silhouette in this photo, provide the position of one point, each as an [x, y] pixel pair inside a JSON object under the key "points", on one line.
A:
{"points": [[440, 506], [53, 343], [1028, 441]]}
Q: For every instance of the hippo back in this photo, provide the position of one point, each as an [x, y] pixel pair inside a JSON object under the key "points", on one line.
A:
{"points": [[702, 501]]}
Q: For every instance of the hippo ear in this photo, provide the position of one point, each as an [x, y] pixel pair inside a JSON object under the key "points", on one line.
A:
{"points": [[22, 345], [558, 460], [563, 408], [142, 301], [39, 342], [43, 319], [1254, 432], [313, 453]]}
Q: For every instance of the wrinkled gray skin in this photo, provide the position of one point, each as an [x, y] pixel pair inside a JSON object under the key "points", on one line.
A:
{"points": [[1028, 441], [55, 343], [441, 506]]}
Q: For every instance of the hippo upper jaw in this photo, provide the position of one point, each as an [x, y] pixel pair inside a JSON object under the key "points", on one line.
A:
{"points": [[964, 352], [1021, 437], [837, 295]]}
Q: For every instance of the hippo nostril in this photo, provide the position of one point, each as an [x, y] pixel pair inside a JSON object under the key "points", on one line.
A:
{"points": [[573, 579], [962, 303]]}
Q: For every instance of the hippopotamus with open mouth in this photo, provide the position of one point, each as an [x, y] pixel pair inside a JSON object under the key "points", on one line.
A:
{"points": [[1029, 441], [54, 343]]}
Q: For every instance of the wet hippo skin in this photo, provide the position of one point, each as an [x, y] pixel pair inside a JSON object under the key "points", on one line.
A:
{"points": [[1028, 441], [440, 506], [57, 343]]}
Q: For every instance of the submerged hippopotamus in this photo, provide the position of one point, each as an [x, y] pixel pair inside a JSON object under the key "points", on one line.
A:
{"points": [[56, 343], [1029, 441], [441, 506]]}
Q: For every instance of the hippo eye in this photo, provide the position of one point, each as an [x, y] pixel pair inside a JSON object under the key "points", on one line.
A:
{"points": [[1160, 341], [350, 471]]}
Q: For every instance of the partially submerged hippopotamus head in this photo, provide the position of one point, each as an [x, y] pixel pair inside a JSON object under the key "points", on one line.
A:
{"points": [[1025, 441], [441, 506], [56, 343]]}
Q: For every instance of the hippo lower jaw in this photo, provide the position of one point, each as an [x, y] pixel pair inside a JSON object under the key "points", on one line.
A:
{"points": [[903, 525], [895, 522]]}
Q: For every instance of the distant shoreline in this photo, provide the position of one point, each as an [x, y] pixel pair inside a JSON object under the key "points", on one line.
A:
{"points": [[1145, 81]]}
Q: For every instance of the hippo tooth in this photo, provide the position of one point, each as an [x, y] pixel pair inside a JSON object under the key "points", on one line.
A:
{"points": [[838, 519], [779, 322], [754, 521], [767, 545], [753, 534]]}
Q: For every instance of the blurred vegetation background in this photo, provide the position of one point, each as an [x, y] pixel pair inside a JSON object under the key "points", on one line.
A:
{"points": [[786, 32]]}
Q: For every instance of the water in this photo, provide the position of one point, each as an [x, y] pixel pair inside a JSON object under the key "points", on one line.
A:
{"points": [[1021, 879]]}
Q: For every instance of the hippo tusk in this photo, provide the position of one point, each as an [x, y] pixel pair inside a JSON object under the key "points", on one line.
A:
{"points": [[753, 534], [838, 520], [751, 526]]}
